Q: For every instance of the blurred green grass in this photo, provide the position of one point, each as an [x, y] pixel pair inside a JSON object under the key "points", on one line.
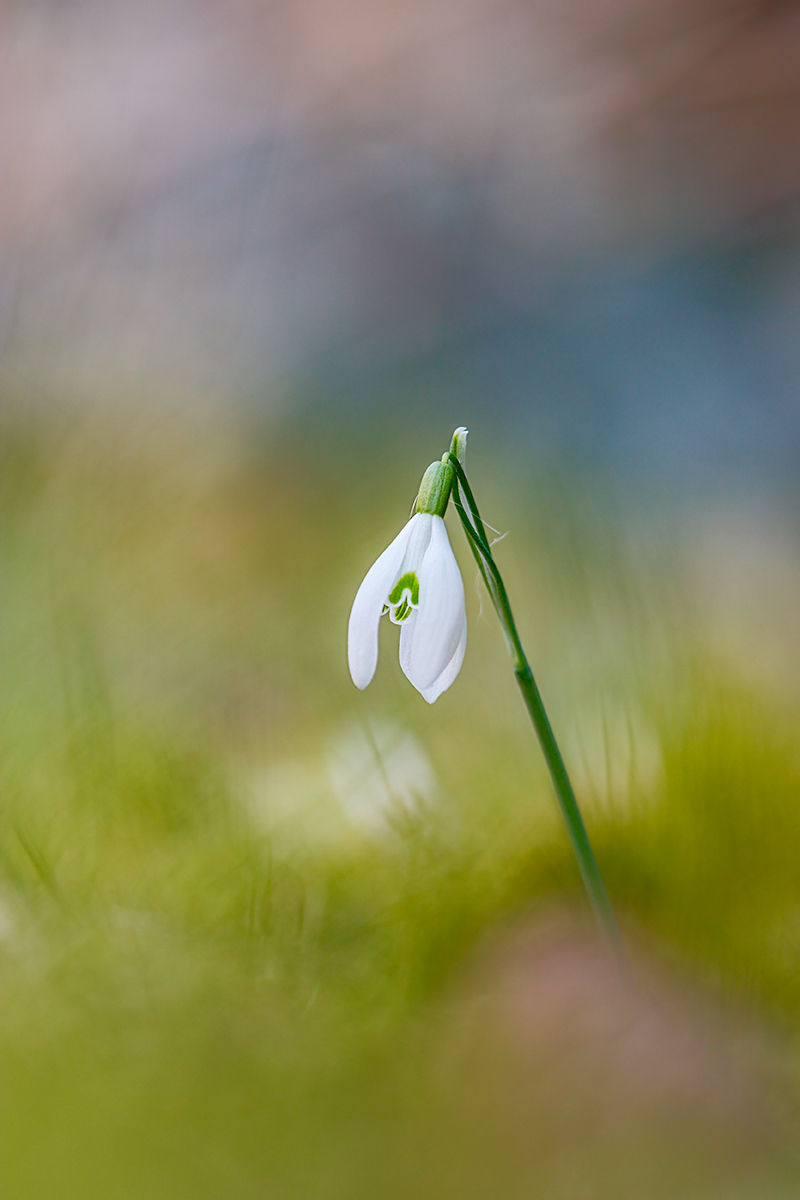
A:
{"points": [[238, 898]]}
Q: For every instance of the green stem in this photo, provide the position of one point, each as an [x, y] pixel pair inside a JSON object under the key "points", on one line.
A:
{"points": [[476, 535]]}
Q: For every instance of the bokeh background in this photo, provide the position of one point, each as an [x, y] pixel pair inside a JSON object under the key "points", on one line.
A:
{"points": [[264, 935]]}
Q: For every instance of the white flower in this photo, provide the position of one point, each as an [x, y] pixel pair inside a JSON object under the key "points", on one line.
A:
{"points": [[417, 581]]}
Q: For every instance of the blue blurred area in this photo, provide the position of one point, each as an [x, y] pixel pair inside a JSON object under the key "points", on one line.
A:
{"points": [[687, 369]]}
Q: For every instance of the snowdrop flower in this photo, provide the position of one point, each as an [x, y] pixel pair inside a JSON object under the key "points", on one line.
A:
{"points": [[417, 582]]}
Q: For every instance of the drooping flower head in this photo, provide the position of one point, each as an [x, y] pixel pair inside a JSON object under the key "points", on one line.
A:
{"points": [[416, 581]]}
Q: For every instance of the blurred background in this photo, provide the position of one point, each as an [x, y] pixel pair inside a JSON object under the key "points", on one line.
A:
{"points": [[262, 934]]}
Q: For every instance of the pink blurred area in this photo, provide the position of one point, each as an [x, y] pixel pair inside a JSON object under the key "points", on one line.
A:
{"points": [[195, 191], [104, 101]]}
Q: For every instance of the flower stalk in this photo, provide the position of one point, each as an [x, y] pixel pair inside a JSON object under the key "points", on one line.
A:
{"points": [[481, 549]]}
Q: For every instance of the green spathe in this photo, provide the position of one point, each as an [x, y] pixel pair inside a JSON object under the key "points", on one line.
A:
{"points": [[434, 491]]}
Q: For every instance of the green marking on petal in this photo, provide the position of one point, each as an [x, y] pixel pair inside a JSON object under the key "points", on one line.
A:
{"points": [[407, 583], [403, 598]]}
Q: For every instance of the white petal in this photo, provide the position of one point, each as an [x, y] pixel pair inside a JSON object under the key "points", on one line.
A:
{"points": [[451, 670], [362, 630], [430, 638], [419, 539]]}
